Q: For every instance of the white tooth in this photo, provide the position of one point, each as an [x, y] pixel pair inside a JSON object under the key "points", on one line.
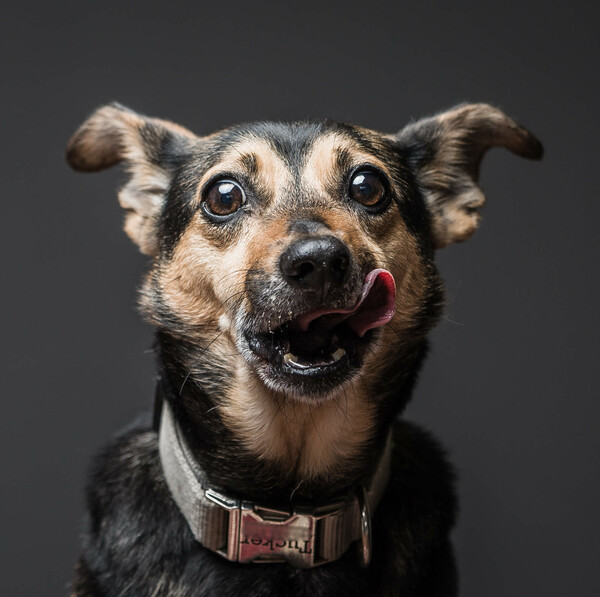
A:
{"points": [[288, 357], [338, 354], [293, 361]]}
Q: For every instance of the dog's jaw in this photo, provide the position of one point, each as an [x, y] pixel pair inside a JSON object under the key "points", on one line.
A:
{"points": [[305, 436], [253, 439], [315, 353], [254, 373]]}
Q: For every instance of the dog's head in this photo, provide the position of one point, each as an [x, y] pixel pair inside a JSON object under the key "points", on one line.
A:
{"points": [[300, 252], [296, 260]]}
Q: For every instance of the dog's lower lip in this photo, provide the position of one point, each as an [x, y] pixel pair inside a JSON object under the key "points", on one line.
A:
{"points": [[321, 352]]}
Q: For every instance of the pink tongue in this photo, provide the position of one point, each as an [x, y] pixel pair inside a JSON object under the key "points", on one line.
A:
{"points": [[375, 308]]}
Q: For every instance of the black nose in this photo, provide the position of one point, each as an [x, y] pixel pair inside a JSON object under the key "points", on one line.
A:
{"points": [[315, 263]]}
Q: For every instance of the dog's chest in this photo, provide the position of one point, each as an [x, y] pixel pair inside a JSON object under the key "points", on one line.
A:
{"points": [[310, 440], [138, 543]]}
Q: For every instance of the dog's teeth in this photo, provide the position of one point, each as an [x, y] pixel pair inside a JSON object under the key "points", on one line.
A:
{"points": [[338, 354], [294, 361]]}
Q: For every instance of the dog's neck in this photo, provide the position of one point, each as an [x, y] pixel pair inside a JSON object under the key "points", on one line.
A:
{"points": [[243, 531], [263, 446]]}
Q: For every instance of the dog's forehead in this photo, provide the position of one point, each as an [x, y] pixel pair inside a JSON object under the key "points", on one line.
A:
{"points": [[279, 154]]}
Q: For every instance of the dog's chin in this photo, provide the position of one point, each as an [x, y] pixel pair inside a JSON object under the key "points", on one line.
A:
{"points": [[312, 365]]}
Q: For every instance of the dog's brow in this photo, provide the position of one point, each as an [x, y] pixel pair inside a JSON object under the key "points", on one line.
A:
{"points": [[332, 156], [254, 159], [250, 162], [343, 158]]}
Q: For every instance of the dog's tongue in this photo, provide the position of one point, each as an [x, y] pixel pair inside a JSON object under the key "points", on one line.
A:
{"points": [[377, 303], [375, 308]]}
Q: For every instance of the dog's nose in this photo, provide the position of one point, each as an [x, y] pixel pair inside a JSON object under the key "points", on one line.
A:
{"points": [[315, 263]]}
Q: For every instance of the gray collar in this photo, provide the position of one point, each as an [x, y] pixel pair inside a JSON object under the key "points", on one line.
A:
{"points": [[243, 531]]}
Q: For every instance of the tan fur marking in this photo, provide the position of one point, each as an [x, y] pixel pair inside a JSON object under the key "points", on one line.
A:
{"points": [[312, 440], [273, 175], [187, 281], [321, 164]]}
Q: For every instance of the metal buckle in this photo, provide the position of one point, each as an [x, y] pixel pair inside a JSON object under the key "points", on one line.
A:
{"points": [[365, 527], [265, 535], [276, 536]]}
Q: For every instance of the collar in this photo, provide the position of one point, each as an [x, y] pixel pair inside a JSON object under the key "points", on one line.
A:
{"points": [[244, 531]]}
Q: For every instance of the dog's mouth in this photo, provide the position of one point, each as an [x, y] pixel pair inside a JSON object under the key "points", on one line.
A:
{"points": [[326, 342]]}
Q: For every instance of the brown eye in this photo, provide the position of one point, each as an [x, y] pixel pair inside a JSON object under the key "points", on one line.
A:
{"points": [[367, 188], [224, 198]]}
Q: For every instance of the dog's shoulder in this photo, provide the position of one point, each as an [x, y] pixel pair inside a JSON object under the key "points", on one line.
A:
{"points": [[411, 525], [131, 520], [420, 460], [422, 477], [125, 468]]}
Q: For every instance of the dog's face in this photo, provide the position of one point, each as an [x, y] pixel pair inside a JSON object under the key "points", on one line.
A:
{"points": [[294, 259], [294, 238]]}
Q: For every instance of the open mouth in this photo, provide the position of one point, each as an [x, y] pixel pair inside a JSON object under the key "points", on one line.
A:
{"points": [[326, 341]]}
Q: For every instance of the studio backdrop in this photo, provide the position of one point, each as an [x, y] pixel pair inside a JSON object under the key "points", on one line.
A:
{"points": [[509, 387]]}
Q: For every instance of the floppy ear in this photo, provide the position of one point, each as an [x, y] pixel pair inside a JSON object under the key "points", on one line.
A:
{"points": [[445, 152], [150, 147]]}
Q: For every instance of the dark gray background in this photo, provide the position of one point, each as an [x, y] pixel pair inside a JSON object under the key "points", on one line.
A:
{"points": [[510, 386]]}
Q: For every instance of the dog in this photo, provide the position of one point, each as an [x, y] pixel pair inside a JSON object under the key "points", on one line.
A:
{"points": [[292, 287]]}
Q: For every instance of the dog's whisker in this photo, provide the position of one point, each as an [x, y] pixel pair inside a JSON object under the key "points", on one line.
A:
{"points": [[336, 401], [445, 318], [296, 489], [184, 382], [310, 412], [279, 411], [234, 273]]}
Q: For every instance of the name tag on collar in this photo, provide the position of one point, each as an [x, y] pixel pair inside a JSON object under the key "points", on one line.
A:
{"points": [[264, 535]]}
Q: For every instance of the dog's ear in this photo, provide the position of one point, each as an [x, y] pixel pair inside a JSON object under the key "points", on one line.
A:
{"points": [[445, 152], [150, 147]]}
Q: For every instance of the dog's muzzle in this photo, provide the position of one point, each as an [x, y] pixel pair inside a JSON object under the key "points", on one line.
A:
{"points": [[323, 341], [244, 532]]}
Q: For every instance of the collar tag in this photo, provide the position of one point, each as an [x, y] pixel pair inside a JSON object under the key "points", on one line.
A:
{"points": [[267, 535]]}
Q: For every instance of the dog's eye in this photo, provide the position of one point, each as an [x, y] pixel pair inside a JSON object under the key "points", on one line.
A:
{"points": [[367, 188], [224, 197]]}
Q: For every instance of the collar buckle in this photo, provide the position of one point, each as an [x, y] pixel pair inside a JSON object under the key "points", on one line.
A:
{"points": [[267, 535]]}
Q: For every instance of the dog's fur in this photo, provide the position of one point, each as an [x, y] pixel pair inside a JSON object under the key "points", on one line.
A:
{"points": [[257, 431]]}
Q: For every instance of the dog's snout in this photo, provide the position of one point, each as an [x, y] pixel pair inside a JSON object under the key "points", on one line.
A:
{"points": [[315, 263]]}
